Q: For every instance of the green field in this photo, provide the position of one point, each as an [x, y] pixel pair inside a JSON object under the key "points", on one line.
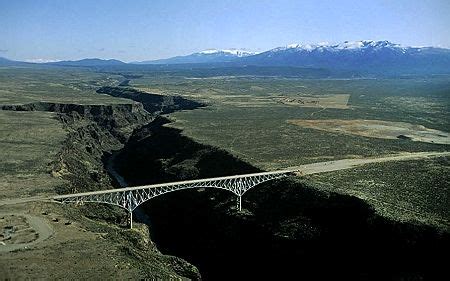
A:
{"points": [[245, 118], [29, 143], [22, 85], [407, 190]]}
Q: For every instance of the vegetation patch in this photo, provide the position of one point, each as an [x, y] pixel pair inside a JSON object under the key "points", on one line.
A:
{"points": [[30, 142]]}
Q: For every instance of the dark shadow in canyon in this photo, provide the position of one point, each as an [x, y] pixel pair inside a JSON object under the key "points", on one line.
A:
{"points": [[286, 230]]}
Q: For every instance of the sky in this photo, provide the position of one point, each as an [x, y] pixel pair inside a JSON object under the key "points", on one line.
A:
{"points": [[46, 30]]}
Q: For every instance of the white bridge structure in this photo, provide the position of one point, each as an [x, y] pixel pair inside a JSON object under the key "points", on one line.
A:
{"points": [[130, 198]]}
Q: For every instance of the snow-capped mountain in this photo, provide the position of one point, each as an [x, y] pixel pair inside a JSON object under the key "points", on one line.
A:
{"points": [[358, 58], [347, 45], [206, 56], [231, 52], [365, 56]]}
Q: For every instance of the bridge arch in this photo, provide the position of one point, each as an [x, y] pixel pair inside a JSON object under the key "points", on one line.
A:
{"points": [[130, 198]]}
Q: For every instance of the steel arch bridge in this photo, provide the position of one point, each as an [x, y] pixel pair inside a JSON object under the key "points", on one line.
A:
{"points": [[129, 198]]}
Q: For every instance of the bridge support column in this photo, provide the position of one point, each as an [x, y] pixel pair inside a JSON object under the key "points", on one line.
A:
{"points": [[239, 203], [131, 219]]}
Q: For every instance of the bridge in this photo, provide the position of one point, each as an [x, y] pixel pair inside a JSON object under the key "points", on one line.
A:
{"points": [[129, 198]]}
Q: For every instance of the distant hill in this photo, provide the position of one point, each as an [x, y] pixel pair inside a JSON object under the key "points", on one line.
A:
{"points": [[379, 57], [8, 62], [4, 61], [89, 62], [83, 62], [207, 56]]}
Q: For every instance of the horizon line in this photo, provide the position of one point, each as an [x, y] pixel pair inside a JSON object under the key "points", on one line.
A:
{"points": [[323, 43]]}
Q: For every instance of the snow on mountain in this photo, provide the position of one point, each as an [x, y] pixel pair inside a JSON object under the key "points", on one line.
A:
{"points": [[346, 45], [39, 60], [234, 52], [365, 56], [364, 44], [206, 56], [89, 62]]}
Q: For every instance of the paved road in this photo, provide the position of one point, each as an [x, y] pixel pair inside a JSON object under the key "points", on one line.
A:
{"points": [[329, 166]]}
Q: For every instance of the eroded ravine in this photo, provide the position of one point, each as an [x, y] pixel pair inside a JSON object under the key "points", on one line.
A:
{"points": [[287, 228], [92, 132]]}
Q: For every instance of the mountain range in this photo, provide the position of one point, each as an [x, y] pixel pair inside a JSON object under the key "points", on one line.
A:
{"points": [[207, 56], [81, 63], [365, 57]]}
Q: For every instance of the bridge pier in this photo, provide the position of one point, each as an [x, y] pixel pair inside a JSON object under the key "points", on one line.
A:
{"points": [[131, 219], [239, 203]]}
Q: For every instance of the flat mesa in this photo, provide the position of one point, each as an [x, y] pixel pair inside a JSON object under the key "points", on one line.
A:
{"points": [[377, 129]]}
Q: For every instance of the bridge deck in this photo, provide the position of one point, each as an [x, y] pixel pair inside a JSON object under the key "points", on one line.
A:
{"points": [[172, 184]]}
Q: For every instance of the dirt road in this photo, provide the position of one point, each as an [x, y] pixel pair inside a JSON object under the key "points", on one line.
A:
{"points": [[39, 225]]}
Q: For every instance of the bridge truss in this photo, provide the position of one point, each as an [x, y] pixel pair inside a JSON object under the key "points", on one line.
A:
{"points": [[130, 198]]}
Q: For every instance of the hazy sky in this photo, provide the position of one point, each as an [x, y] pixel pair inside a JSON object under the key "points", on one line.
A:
{"points": [[141, 30]]}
